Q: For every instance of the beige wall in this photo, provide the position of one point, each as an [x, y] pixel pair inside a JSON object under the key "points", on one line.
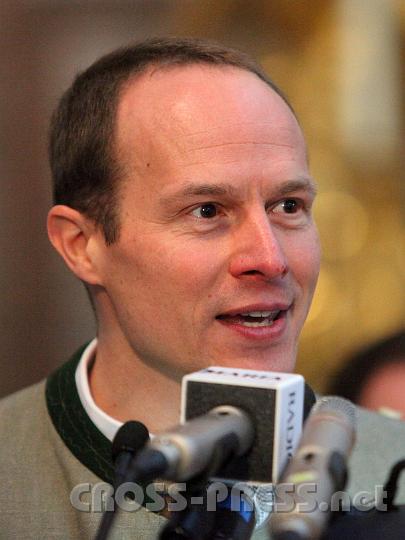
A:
{"points": [[305, 46]]}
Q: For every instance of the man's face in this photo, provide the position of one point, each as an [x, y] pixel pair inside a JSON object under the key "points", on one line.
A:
{"points": [[218, 256]]}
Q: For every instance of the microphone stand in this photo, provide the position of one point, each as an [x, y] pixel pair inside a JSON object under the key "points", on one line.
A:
{"points": [[196, 522]]}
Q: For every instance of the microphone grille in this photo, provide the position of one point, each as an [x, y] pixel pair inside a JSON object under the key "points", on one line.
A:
{"points": [[338, 406]]}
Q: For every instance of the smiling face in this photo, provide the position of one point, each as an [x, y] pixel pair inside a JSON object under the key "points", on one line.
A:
{"points": [[218, 256]]}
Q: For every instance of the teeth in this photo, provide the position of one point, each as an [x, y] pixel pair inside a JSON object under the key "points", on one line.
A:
{"points": [[258, 313], [265, 322]]}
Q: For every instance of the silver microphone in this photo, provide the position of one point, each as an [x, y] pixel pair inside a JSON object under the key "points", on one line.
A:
{"points": [[202, 444], [317, 470]]}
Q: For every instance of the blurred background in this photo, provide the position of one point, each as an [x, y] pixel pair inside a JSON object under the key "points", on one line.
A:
{"points": [[341, 63]]}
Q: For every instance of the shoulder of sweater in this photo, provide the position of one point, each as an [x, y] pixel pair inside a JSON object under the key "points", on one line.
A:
{"points": [[22, 397], [22, 410]]}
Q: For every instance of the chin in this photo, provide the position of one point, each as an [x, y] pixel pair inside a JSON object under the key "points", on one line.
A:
{"points": [[270, 363]]}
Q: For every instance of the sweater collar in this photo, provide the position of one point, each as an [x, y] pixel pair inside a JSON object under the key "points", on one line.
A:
{"points": [[78, 432]]}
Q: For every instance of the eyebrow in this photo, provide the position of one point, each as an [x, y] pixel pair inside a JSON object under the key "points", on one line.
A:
{"points": [[224, 189], [303, 183]]}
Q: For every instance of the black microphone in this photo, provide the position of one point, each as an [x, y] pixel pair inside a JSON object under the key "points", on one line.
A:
{"points": [[128, 441], [317, 470]]}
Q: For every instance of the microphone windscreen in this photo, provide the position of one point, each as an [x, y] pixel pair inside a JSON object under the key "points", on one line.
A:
{"points": [[337, 406], [131, 437]]}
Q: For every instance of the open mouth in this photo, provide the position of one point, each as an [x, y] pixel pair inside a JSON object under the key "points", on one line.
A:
{"points": [[253, 319]]}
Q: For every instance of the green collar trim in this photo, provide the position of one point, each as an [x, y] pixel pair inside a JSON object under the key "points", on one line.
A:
{"points": [[72, 423]]}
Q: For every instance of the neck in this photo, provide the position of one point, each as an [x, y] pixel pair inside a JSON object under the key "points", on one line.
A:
{"points": [[128, 389]]}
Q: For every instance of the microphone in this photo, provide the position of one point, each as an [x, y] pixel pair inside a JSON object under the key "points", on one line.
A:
{"points": [[273, 401], [316, 471], [129, 439], [238, 424], [198, 446]]}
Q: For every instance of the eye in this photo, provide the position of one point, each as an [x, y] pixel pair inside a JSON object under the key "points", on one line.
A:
{"points": [[206, 211], [288, 206]]}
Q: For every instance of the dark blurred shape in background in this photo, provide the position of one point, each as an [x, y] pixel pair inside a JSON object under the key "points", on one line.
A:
{"points": [[374, 377]]}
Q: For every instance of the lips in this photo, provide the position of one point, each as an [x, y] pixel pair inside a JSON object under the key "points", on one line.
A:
{"points": [[255, 310], [254, 316]]}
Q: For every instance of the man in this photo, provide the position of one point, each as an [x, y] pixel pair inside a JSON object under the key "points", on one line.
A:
{"points": [[183, 203], [211, 199]]}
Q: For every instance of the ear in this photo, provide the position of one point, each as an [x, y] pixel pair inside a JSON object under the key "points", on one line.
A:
{"points": [[71, 233]]}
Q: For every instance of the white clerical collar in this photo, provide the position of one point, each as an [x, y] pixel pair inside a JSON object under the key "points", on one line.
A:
{"points": [[105, 423]]}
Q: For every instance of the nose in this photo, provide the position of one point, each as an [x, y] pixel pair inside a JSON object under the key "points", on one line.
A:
{"points": [[257, 253]]}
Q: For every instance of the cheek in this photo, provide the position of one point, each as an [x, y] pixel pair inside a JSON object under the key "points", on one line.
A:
{"points": [[169, 267], [304, 262]]}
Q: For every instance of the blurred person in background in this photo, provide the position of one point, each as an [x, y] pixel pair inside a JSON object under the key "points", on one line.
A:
{"points": [[374, 377]]}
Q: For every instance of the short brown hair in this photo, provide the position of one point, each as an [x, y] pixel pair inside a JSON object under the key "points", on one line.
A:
{"points": [[82, 155]]}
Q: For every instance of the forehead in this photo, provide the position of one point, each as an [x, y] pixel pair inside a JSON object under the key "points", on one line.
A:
{"points": [[187, 114]]}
